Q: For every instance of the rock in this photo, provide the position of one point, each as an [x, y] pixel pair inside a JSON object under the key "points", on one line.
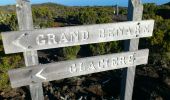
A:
{"points": [[65, 88], [96, 89], [167, 81], [159, 98], [2, 93]]}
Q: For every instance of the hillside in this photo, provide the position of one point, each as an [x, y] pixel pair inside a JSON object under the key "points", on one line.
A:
{"points": [[167, 4], [164, 11], [8, 8]]}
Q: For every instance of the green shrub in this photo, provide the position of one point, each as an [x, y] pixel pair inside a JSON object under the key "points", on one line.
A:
{"points": [[69, 52]]}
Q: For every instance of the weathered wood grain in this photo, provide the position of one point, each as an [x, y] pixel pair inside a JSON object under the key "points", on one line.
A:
{"points": [[135, 11], [24, 16], [71, 68], [21, 41]]}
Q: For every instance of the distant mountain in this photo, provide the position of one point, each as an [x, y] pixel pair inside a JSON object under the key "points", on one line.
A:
{"points": [[11, 8], [167, 4], [164, 11], [48, 4]]}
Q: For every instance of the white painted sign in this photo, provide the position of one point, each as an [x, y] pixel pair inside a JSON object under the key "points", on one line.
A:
{"points": [[71, 68], [21, 41]]}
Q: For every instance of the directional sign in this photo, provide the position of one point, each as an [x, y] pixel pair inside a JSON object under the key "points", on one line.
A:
{"points": [[21, 41], [65, 69]]}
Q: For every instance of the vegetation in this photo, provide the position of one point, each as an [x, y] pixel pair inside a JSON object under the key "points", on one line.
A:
{"points": [[8, 22], [53, 15]]}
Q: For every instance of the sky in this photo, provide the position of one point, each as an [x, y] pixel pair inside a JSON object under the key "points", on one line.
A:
{"points": [[86, 2]]}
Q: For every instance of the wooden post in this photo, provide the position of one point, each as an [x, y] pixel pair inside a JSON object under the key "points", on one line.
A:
{"points": [[25, 21], [135, 11], [117, 10]]}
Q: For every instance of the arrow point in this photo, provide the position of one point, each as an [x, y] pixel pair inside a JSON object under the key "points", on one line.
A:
{"points": [[40, 76], [17, 42]]}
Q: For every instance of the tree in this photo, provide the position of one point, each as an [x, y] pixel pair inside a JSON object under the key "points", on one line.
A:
{"points": [[69, 52], [103, 48], [87, 17], [104, 17], [8, 22]]}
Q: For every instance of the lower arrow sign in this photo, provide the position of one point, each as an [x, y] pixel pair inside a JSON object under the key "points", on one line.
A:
{"points": [[71, 68], [40, 76]]}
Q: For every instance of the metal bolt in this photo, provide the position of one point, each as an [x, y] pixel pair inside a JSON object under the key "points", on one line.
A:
{"points": [[26, 34], [138, 23], [134, 59], [33, 82]]}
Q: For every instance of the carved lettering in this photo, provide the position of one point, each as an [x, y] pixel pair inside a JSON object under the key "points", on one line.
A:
{"points": [[102, 33], [82, 68], [111, 32], [51, 39], [107, 33], [120, 31], [85, 35], [123, 31], [40, 40], [131, 59], [74, 37], [137, 29], [101, 64], [73, 68], [92, 66], [129, 31], [146, 29], [114, 62], [121, 60], [63, 38]]}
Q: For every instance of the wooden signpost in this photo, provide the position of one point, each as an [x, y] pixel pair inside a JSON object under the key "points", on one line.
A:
{"points": [[22, 41], [25, 22], [28, 40], [65, 69], [135, 11]]}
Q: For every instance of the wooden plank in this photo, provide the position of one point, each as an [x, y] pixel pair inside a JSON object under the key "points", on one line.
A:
{"points": [[71, 68], [24, 16], [135, 10], [21, 41]]}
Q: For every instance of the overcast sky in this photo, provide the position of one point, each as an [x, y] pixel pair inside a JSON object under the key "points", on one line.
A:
{"points": [[86, 2]]}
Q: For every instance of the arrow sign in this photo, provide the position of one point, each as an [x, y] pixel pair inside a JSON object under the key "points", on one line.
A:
{"points": [[71, 68], [21, 41], [17, 42]]}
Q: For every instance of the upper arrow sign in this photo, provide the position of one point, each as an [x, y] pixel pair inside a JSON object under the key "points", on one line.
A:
{"points": [[17, 42], [21, 41]]}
